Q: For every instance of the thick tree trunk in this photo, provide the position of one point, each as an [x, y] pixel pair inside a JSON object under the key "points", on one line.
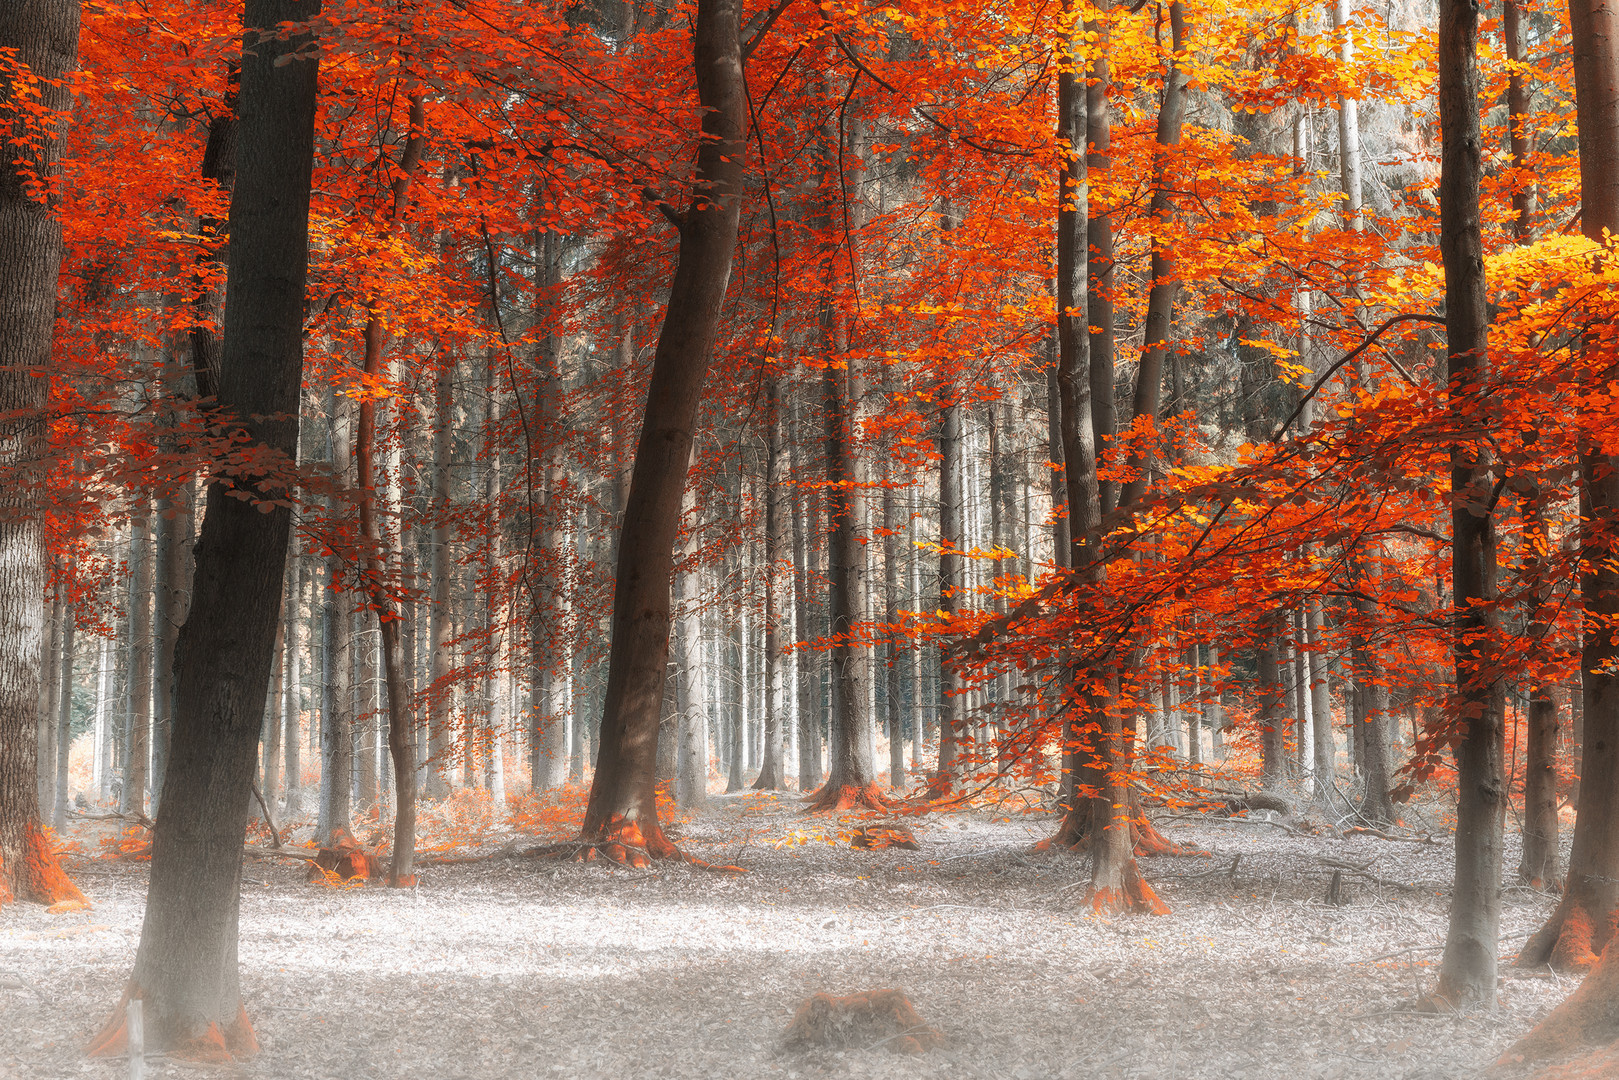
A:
{"points": [[622, 815], [44, 35], [1582, 926], [1467, 971], [1098, 252], [186, 968], [1271, 698]]}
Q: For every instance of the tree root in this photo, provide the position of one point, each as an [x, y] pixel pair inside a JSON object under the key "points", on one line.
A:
{"points": [[622, 842], [832, 799], [1132, 894], [1075, 835], [210, 1042], [1569, 941], [1589, 1017], [38, 876]]}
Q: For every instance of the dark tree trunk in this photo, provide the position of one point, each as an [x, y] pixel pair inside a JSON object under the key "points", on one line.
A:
{"points": [[809, 728], [1098, 254], [45, 35], [622, 813], [1165, 284], [1467, 971], [952, 529], [1582, 926], [186, 967]]}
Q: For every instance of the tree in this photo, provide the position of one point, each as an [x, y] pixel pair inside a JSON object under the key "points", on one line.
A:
{"points": [[38, 46], [186, 968], [621, 817], [1581, 928]]}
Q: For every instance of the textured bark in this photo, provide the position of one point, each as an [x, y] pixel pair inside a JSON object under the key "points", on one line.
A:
{"points": [[1582, 926], [621, 816], [952, 581], [691, 780], [44, 35], [1165, 286], [186, 967], [1467, 971], [1349, 158], [1519, 124], [1099, 244]]}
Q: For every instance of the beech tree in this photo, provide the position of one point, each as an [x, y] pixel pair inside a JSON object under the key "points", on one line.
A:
{"points": [[186, 967], [38, 46]]}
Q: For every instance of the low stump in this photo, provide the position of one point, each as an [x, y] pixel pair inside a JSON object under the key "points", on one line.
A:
{"points": [[864, 1021]]}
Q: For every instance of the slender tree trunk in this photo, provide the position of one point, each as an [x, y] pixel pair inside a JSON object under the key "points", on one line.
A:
{"points": [[777, 549], [805, 521], [337, 707], [1098, 254], [1467, 971], [441, 571], [1272, 698], [44, 35], [622, 813], [952, 583], [186, 968], [64, 717], [291, 743], [45, 717], [1165, 282]]}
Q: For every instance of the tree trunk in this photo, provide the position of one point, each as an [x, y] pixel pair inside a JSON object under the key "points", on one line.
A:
{"points": [[337, 646], [441, 570], [805, 521], [777, 549], [1165, 283], [44, 35], [1271, 700], [1582, 926], [1098, 253], [1467, 971], [186, 968], [952, 529], [622, 813], [64, 717], [293, 713]]}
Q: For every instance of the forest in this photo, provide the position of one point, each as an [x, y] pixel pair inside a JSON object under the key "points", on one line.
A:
{"points": [[1029, 539]]}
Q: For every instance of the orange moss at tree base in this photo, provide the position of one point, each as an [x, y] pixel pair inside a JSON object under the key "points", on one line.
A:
{"points": [[1075, 835], [623, 842], [38, 876], [1133, 895], [344, 857], [1569, 941], [216, 1043], [874, 1018], [1589, 1017]]}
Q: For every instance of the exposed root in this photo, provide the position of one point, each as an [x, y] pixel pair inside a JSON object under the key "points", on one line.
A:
{"points": [[1147, 840], [1132, 894], [1569, 941], [623, 842], [210, 1042], [1588, 1017], [831, 799], [874, 1018], [37, 876]]}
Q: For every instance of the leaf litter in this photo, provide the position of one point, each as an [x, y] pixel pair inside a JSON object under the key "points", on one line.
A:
{"points": [[526, 968]]}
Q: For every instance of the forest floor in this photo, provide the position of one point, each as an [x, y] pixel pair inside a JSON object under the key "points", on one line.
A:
{"points": [[526, 968]]}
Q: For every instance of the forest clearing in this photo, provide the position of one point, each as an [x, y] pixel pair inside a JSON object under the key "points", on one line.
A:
{"points": [[520, 968]]}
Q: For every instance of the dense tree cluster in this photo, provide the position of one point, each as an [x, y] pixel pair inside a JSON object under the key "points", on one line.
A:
{"points": [[1107, 400]]}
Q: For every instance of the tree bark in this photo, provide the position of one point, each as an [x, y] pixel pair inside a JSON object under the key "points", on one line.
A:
{"points": [[1582, 926], [777, 548], [186, 968], [1467, 970], [44, 35], [621, 816]]}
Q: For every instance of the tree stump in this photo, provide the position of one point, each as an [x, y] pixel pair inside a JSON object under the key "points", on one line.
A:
{"points": [[344, 857], [874, 1018]]}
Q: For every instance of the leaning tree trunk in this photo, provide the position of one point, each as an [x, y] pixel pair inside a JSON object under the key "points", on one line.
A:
{"points": [[45, 36], [1582, 927], [621, 816], [186, 967], [1467, 971]]}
